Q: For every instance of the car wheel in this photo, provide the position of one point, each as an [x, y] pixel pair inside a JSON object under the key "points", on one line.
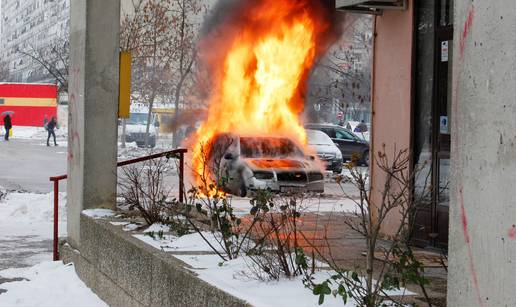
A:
{"points": [[365, 158]]}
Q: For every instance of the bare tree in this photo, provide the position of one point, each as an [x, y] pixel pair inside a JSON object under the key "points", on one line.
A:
{"points": [[341, 81], [183, 51], [54, 58], [161, 36], [4, 71]]}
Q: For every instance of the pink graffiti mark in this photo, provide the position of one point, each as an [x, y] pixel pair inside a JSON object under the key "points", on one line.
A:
{"points": [[465, 32], [466, 29], [467, 239], [512, 232]]}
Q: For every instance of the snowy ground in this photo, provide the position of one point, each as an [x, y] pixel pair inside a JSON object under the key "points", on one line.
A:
{"points": [[39, 133], [26, 228], [236, 277], [48, 284]]}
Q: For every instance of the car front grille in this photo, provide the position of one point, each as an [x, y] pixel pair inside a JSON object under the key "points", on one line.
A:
{"points": [[138, 136], [326, 156], [292, 176]]}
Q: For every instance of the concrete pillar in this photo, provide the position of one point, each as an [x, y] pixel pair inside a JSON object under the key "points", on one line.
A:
{"points": [[93, 108], [483, 200]]}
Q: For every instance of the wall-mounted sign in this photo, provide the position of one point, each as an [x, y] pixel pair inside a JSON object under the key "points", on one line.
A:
{"points": [[444, 51], [444, 125]]}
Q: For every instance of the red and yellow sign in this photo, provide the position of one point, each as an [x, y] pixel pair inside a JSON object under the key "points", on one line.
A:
{"points": [[31, 103]]}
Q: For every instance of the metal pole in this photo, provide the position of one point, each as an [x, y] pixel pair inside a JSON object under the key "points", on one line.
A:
{"points": [[56, 215], [181, 176]]}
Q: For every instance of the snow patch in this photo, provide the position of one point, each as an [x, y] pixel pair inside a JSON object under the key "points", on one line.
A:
{"points": [[48, 284], [187, 243], [157, 227], [98, 213], [31, 214]]}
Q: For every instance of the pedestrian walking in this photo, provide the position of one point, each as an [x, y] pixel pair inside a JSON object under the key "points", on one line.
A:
{"points": [[8, 126], [361, 127], [51, 125], [45, 122]]}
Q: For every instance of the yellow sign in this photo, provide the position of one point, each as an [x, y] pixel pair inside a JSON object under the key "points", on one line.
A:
{"points": [[124, 94]]}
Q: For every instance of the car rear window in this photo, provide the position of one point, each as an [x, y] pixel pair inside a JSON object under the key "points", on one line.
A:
{"points": [[316, 137]]}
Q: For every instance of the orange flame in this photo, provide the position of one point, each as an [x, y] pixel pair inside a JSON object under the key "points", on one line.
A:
{"points": [[259, 59]]}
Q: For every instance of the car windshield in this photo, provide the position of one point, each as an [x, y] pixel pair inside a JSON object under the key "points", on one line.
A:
{"points": [[137, 119], [260, 147], [316, 137]]}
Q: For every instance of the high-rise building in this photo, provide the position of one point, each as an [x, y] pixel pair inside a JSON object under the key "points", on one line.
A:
{"points": [[31, 26]]}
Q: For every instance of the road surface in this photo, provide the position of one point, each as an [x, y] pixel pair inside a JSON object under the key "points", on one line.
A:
{"points": [[27, 165]]}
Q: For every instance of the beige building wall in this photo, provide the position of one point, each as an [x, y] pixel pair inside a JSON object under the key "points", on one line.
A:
{"points": [[392, 94]]}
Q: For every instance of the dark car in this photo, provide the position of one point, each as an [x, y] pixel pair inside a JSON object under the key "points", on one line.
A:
{"points": [[348, 142]]}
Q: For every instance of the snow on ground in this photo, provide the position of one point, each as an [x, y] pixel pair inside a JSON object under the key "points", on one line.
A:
{"points": [[191, 243], [31, 214], [236, 278], [39, 133], [48, 284], [98, 213]]}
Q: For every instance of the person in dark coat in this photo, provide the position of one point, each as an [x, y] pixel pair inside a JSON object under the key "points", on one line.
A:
{"points": [[51, 125], [361, 127], [8, 126]]}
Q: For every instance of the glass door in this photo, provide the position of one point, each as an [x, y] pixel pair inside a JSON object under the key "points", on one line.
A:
{"points": [[432, 126]]}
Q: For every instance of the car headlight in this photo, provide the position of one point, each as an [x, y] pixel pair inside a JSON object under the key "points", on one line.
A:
{"points": [[263, 175], [338, 154]]}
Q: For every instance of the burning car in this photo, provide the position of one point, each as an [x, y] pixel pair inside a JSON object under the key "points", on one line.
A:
{"points": [[243, 164]]}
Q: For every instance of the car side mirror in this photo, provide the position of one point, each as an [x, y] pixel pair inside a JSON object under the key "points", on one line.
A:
{"points": [[229, 156]]}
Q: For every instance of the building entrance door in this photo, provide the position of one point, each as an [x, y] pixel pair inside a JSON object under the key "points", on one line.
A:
{"points": [[432, 126], [441, 139]]}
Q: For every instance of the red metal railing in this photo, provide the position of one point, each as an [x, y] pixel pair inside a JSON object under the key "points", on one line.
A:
{"points": [[176, 153]]}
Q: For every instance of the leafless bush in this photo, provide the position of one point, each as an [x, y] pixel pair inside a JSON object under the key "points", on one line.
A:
{"points": [[210, 200], [142, 188], [388, 264], [278, 251]]}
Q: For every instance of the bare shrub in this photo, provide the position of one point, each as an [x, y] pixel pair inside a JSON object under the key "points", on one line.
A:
{"points": [[278, 252], [142, 188], [209, 199], [389, 264]]}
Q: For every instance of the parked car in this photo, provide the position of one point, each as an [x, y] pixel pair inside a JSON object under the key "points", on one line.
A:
{"points": [[348, 142], [354, 126], [247, 163], [326, 150], [136, 125]]}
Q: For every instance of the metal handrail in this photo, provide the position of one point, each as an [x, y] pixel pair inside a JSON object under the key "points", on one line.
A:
{"points": [[177, 153]]}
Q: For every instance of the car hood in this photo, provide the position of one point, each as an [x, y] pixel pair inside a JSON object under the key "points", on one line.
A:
{"points": [[279, 164]]}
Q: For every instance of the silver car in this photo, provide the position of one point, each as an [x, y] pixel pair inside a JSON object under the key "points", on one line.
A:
{"points": [[326, 150], [243, 164]]}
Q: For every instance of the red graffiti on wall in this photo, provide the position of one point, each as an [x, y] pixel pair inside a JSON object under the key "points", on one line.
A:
{"points": [[512, 232], [467, 239], [466, 29]]}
